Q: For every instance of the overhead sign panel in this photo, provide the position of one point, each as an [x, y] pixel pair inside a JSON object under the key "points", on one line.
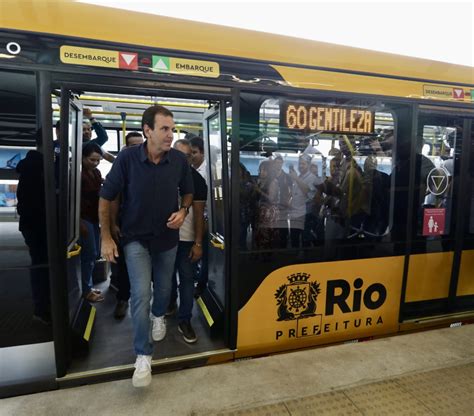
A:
{"points": [[442, 92], [324, 118], [89, 56], [189, 67], [98, 57], [76, 55]]}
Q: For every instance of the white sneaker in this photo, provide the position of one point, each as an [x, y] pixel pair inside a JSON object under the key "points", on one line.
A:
{"points": [[142, 374], [159, 328]]}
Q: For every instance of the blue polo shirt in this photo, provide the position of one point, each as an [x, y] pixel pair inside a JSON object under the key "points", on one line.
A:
{"points": [[149, 194]]}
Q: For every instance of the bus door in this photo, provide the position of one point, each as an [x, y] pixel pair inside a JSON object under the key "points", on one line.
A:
{"points": [[439, 279], [69, 156], [213, 300]]}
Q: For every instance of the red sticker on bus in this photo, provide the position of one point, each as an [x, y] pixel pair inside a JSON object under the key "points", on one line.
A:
{"points": [[128, 60], [458, 93]]}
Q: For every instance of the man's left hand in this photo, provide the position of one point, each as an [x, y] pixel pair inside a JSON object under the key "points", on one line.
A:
{"points": [[176, 220], [195, 253]]}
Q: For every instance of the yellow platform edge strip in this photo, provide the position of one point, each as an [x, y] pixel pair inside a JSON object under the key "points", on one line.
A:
{"points": [[205, 311], [90, 322]]}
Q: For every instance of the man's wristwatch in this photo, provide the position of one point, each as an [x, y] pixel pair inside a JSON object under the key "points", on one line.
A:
{"points": [[198, 244], [185, 208]]}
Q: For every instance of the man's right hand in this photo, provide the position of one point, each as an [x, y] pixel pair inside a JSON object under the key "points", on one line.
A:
{"points": [[87, 113], [109, 249]]}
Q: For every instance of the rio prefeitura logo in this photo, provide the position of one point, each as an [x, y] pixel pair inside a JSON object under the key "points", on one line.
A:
{"points": [[297, 299]]}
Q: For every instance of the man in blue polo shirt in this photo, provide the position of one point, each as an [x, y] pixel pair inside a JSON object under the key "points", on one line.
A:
{"points": [[149, 176]]}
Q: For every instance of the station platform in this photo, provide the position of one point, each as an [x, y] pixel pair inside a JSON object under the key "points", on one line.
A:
{"points": [[422, 373]]}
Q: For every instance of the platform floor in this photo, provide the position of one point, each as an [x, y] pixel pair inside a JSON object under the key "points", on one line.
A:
{"points": [[424, 373]]}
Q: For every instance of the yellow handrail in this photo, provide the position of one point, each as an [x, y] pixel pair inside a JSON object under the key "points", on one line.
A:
{"points": [[216, 243], [75, 252]]}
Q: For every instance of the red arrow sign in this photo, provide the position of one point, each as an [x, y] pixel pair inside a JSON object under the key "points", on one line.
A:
{"points": [[128, 60], [458, 93]]}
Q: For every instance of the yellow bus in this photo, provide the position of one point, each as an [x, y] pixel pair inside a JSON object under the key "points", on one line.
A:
{"points": [[341, 199]]}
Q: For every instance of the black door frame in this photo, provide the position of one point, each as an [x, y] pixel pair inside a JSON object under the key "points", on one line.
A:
{"points": [[448, 305], [57, 253], [50, 81], [464, 201], [220, 111]]}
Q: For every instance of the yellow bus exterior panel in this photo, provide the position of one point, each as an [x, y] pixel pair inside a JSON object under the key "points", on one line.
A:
{"points": [[429, 276], [68, 18], [361, 84], [304, 305], [466, 274]]}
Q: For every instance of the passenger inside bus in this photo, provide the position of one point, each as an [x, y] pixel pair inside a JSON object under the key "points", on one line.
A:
{"points": [[94, 125], [198, 162], [32, 225], [347, 194], [119, 279], [189, 252], [91, 182], [303, 190]]}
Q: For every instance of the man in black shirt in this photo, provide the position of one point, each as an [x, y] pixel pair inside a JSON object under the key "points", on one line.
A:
{"points": [[149, 176]]}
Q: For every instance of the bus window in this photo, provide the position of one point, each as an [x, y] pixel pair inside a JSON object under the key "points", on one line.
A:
{"points": [[114, 143], [316, 174], [440, 145]]}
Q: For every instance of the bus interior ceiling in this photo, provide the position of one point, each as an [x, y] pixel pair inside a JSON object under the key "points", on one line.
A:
{"points": [[114, 111]]}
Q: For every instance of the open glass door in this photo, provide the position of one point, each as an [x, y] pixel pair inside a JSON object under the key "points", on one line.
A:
{"points": [[68, 151], [213, 301], [441, 258], [70, 143]]}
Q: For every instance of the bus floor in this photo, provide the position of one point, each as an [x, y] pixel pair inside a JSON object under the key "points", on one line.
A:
{"points": [[111, 343], [424, 373]]}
